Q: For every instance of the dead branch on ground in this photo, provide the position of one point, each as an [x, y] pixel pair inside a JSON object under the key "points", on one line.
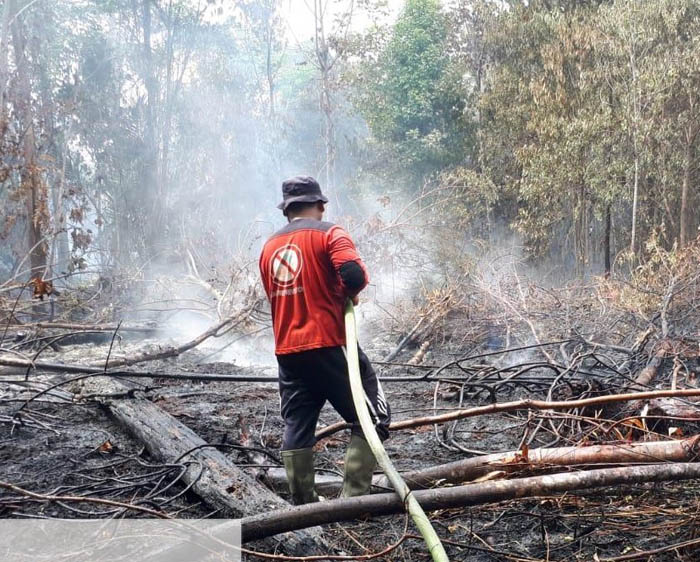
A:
{"points": [[300, 517]]}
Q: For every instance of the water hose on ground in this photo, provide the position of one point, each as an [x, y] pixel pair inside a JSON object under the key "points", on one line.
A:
{"points": [[437, 551]]}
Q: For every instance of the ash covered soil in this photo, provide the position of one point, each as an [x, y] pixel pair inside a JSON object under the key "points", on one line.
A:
{"points": [[57, 445]]}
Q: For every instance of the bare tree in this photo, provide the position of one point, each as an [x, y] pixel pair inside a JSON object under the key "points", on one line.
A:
{"points": [[4, 37], [325, 59], [32, 184]]}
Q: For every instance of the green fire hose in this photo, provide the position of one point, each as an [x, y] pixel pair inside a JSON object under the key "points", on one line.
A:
{"points": [[437, 551]]}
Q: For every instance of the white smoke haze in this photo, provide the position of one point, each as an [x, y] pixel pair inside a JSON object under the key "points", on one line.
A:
{"points": [[224, 146]]}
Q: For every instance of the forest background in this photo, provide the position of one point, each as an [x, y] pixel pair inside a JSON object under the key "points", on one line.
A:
{"points": [[139, 136]]}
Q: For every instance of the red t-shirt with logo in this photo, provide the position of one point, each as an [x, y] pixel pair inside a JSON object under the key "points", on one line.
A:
{"points": [[300, 267]]}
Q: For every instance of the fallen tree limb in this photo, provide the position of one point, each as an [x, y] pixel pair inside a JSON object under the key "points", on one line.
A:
{"points": [[527, 404], [87, 369], [215, 331], [99, 371], [325, 484], [682, 450], [648, 373], [646, 376], [399, 347], [299, 517], [83, 327]]}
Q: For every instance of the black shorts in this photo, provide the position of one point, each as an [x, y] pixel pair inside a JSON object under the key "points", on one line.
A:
{"points": [[309, 378]]}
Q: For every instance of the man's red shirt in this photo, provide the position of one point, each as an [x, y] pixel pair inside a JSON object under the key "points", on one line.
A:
{"points": [[300, 267]]}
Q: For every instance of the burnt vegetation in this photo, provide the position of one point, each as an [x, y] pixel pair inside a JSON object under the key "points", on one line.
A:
{"points": [[520, 179]]}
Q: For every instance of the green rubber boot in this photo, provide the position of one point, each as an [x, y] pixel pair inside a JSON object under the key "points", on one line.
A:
{"points": [[359, 466], [299, 464]]}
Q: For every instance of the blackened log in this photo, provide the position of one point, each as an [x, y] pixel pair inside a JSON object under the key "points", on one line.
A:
{"points": [[215, 479]]}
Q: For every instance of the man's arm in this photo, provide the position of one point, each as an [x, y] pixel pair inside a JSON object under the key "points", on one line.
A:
{"points": [[347, 262]]}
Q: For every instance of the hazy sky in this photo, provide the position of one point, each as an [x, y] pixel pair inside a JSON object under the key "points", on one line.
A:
{"points": [[298, 15], [300, 19]]}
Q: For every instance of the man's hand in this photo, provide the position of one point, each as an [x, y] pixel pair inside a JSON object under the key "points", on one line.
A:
{"points": [[356, 300]]}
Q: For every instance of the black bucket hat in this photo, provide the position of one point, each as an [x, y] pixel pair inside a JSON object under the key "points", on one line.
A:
{"points": [[301, 189]]}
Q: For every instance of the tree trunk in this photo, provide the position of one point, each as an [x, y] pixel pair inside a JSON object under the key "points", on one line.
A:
{"points": [[635, 202], [33, 188], [687, 164], [606, 241], [324, 62], [300, 517], [636, 119], [691, 135], [7, 10], [151, 184], [169, 96], [269, 72], [36, 204]]}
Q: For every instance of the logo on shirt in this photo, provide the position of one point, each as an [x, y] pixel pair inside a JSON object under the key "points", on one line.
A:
{"points": [[286, 265]]}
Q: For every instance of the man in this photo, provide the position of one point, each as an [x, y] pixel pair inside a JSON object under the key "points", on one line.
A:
{"points": [[309, 269]]}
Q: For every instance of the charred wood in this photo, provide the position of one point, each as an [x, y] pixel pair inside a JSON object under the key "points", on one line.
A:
{"points": [[215, 479], [86, 327], [299, 517]]}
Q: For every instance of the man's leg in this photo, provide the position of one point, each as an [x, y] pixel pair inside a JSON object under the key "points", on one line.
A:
{"points": [[300, 408], [336, 387], [359, 459]]}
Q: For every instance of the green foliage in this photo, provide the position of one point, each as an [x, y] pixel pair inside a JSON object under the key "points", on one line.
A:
{"points": [[412, 96], [541, 117]]}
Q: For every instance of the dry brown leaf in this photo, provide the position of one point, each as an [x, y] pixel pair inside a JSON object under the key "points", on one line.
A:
{"points": [[494, 475], [41, 287]]}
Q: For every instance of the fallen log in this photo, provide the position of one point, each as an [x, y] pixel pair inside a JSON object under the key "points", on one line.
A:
{"points": [[25, 364], [404, 341], [648, 373], [215, 479], [267, 524], [326, 485], [682, 450], [100, 371], [84, 327], [645, 378], [515, 405]]}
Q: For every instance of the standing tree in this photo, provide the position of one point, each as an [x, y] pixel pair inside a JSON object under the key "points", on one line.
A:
{"points": [[412, 95]]}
